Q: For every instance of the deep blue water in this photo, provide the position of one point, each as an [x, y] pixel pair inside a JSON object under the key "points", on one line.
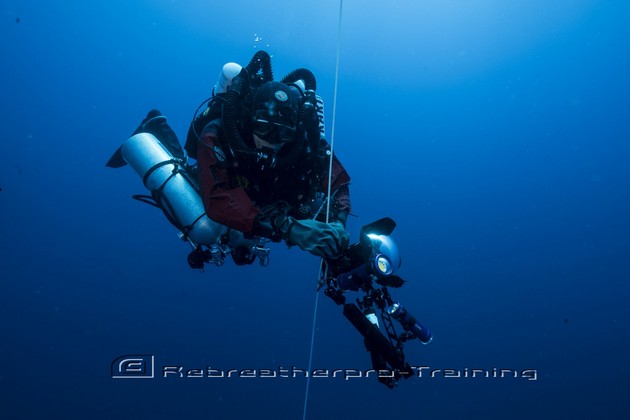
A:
{"points": [[495, 133]]}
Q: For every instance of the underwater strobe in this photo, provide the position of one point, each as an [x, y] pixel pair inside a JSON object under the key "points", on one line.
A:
{"points": [[369, 266]]}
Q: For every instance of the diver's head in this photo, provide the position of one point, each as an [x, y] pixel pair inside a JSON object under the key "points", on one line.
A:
{"points": [[275, 113]]}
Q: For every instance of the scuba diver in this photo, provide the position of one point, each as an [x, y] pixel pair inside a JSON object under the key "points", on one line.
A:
{"points": [[262, 167]]}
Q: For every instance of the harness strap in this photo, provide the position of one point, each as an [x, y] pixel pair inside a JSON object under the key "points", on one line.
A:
{"points": [[176, 162]]}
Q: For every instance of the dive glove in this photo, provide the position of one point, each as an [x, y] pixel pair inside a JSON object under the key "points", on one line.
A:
{"points": [[326, 240]]}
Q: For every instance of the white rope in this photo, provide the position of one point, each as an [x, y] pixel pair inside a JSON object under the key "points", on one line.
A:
{"points": [[328, 199], [334, 115]]}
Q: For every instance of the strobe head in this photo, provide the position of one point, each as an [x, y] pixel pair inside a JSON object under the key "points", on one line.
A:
{"points": [[385, 258], [409, 323], [376, 255]]}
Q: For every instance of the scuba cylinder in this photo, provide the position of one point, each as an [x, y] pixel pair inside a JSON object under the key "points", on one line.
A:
{"points": [[173, 190], [228, 72]]}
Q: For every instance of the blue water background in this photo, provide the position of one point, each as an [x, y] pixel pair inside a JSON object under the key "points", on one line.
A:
{"points": [[496, 134]]}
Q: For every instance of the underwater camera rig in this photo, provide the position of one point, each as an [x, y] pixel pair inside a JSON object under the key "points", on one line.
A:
{"points": [[368, 266]]}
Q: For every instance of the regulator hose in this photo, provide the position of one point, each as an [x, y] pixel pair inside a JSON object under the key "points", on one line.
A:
{"points": [[261, 61], [305, 74], [230, 119]]}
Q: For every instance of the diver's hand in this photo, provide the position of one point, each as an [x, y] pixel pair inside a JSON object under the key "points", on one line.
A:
{"points": [[326, 240]]}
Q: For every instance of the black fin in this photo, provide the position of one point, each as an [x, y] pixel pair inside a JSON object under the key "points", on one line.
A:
{"points": [[116, 161], [154, 123]]}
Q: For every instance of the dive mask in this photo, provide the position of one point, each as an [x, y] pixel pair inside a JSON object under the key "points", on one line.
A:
{"points": [[273, 129]]}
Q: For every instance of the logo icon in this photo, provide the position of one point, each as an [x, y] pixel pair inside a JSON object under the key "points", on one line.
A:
{"points": [[281, 96], [134, 366]]}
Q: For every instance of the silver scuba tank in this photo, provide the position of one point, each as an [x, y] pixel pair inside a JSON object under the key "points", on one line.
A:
{"points": [[177, 195]]}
